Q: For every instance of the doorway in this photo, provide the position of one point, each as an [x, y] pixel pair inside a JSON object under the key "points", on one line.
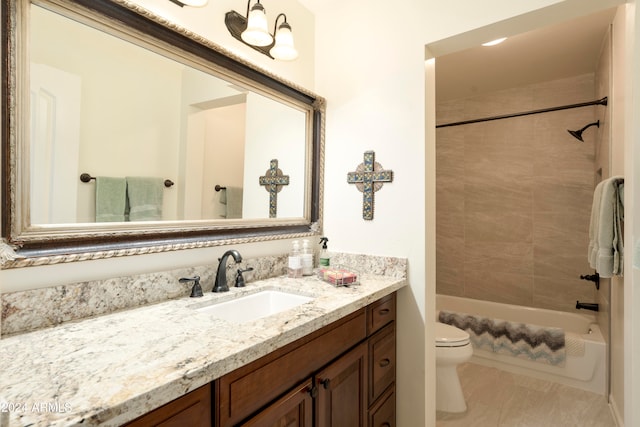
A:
{"points": [[449, 64]]}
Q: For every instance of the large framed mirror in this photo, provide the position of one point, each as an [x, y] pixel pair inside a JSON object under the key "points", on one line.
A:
{"points": [[124, 134]]}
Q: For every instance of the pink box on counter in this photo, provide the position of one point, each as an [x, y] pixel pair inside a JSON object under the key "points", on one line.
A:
{"points": [[337, 276]]}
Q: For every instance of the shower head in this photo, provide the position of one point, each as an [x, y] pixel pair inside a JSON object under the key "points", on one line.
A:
{"points": [[577, 134]]}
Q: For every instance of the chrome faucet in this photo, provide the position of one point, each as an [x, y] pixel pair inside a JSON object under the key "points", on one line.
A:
{"points": [[220, 284]]}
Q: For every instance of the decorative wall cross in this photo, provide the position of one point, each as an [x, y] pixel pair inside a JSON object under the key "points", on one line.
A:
{"points": [[273, 180], [369, 178]]}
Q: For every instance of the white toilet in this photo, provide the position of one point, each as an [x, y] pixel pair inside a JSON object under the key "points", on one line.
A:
{"points": [[452, 348]]}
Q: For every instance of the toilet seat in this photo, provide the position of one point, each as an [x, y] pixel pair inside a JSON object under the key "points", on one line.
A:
{"points": [[450, 336]]}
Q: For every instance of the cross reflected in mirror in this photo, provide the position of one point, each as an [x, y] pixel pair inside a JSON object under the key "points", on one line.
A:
{"points": [[273, 180]]}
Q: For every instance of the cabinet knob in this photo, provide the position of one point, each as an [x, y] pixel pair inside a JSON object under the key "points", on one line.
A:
{"points": [[325, 383], [384, 362], [313, 392]]}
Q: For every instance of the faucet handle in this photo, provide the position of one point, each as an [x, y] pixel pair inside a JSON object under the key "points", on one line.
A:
{"points": [[196, 290], [240, 279]]}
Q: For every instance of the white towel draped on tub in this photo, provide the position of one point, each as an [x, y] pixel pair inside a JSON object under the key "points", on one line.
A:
{"points": [[606, 246]]}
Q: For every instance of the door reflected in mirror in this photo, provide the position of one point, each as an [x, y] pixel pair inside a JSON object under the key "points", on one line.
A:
{"points": [[116, 110]]}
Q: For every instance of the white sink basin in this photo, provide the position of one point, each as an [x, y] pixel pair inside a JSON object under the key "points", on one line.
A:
{"points": [[254, 306]]}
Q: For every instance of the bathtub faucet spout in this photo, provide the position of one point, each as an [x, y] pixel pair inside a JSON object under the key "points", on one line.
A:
{"points": [[587, 306]]}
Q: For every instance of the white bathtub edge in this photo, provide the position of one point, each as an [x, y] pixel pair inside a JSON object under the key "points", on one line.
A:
{"points": [[596, 385]]}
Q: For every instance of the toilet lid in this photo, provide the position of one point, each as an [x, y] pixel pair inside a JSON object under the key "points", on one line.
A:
{"points": [[450, 336]]}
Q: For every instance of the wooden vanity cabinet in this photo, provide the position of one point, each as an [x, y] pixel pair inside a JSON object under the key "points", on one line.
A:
{"points": [[193, 409], [342, 394], [382, 362], [294, 409], [337, 390], [342, 375], [246, 390]]}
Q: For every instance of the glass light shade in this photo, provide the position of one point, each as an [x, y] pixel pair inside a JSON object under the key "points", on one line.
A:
{"points": [[256, 33], [284, 48]]}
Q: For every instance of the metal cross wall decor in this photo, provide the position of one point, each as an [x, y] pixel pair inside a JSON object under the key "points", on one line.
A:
{"points": [[273, 180], [369, 178]]}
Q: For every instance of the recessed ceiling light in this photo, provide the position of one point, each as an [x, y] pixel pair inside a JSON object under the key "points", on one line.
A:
{"points": [[494, 42]]}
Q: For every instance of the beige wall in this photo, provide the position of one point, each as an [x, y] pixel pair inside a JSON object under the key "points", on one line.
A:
{"points": [[618, 93], [514, 197]]}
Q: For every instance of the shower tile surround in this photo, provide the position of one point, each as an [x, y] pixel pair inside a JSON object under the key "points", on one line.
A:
{"points": [[514, 197], [40, 308]]}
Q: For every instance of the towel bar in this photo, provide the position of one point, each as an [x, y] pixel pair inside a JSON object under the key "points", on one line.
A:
{"points": [[85, 177]]}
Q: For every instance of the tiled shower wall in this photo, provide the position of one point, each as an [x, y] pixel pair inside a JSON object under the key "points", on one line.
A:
{"points": [[514, 196]]}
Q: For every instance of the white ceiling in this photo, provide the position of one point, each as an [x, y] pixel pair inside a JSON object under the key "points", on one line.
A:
{"points": [[550, 53]]}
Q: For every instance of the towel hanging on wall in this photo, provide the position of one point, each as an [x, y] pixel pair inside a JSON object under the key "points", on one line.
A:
{"points": [[231, 197], [606, 246], [145, 195], [111, 196]]}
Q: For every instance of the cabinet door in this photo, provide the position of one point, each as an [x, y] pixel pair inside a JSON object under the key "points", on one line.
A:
{"points": [[342, 391], [295, 409], [193, 409]]}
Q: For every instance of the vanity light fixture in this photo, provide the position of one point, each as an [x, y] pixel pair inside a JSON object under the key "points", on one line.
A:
{"points": [[193, 3], [283, 48], [256, 32], [252, 31]]}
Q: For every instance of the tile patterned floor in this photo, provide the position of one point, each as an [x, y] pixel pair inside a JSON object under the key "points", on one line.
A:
{"points": [[501, 399]]}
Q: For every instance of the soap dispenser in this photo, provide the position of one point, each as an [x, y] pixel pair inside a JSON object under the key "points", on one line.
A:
{"points": [[307, 259], [295, 261], [324, 258]]}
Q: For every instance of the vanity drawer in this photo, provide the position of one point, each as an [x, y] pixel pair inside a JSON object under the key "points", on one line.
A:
{"points": [[382, 361], [380, 313], [383, 414]]}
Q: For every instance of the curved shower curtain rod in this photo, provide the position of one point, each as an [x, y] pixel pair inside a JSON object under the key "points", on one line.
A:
{"points": [[602, 101]]}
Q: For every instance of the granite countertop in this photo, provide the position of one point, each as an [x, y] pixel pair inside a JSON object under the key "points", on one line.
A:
{"points": [[113, 368]]}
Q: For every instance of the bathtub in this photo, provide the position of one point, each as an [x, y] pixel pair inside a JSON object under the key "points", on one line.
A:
{"points": [[584, 368]]}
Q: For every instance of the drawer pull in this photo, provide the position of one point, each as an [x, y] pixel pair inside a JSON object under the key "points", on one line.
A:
{"points": [[385, 425], [384, 362], [384, 311], [325, 383]]}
